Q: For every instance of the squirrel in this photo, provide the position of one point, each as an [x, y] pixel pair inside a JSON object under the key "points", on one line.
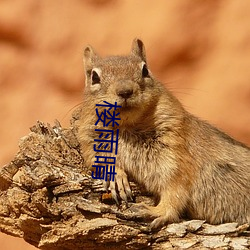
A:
{"points": [[191, 167]]}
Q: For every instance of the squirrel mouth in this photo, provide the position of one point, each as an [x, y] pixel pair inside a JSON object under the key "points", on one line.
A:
{"points": [[126, 105]]}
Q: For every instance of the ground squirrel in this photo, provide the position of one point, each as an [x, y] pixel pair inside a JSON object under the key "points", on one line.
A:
{"points": [[190, 166]]}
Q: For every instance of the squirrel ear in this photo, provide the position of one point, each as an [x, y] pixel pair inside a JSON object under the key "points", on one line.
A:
{"points": [[138, 49], [89, 57]]}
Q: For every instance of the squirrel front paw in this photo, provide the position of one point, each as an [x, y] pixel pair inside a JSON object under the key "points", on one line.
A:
{"points": [[120, 186]]}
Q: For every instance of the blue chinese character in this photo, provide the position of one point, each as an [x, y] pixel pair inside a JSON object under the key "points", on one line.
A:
{"points": [[100, 172], [107, 117], [111, 173], [105, 159], [109, 105], [106, 144]]}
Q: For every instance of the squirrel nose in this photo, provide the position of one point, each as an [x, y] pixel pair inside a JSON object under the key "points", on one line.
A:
{"points": [[124, 93]]}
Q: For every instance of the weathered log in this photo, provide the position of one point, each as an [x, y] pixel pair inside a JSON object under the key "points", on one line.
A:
{"points": [[48, 197]]}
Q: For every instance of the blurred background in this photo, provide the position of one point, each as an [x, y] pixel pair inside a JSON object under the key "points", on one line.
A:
{"points": [[199, 49]]}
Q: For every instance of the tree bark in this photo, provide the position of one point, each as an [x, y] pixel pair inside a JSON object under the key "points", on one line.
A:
{"points": [[48, 197]]}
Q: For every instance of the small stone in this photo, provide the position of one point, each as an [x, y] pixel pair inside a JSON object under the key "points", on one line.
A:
{"points": [[215, 241], [219, 229], [183, 243]]}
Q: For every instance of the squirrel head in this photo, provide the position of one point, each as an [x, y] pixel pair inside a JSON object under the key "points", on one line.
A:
{"points": [[122, 79]]}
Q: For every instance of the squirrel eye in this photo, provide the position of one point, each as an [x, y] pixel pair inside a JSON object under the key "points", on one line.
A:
{"points": [[95, 78], [145, 72]]}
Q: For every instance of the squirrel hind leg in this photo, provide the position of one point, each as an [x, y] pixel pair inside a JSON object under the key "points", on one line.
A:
{"points": [[162, 220], [160, 215], [168, 210], [163, 214]]}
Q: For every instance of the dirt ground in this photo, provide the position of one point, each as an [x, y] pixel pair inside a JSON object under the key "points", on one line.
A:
{"points": [[200, 49]]}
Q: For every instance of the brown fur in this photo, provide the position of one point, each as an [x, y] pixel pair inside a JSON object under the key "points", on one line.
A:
{"points": [[191, 166]]}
